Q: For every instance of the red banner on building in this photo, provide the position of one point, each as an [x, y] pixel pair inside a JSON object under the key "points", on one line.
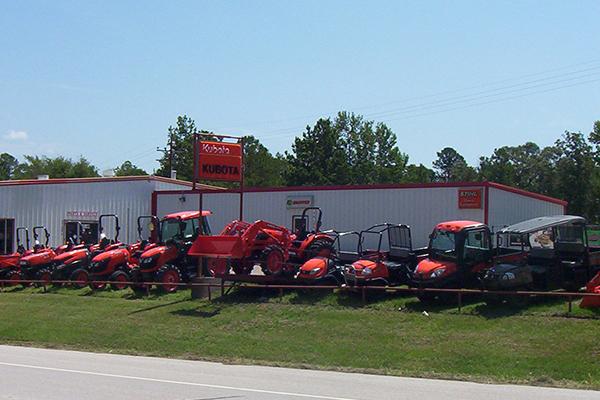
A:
{"points": [[469, 198], [219, 161]]}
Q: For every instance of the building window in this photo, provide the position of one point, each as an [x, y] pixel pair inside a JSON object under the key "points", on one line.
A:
{"points": [[7, 235]]}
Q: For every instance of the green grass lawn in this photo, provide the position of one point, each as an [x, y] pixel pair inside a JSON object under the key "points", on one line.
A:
{"points": [[539, 344]]}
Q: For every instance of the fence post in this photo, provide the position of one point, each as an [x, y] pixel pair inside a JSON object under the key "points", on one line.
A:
{"points": [[148, 290], [459, 302], [570, 304], [222, 287], [364, 296], [209, 293]]}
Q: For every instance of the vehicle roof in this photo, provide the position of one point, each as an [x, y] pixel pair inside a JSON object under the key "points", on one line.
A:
{"points": [[457, 226], [539, 223], [184, 215]]}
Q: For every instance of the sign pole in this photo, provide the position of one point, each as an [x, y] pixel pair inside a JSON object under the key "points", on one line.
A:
{"points": [[199, 189], [242, 183]]}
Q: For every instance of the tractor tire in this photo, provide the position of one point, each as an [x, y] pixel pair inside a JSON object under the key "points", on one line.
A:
{"points": [[169, 277], [242, 267], [98, 285], [13, 278], [136, 276], [80, 278], [319, 248], [272, 261], [217, 267], [45, 276], [119, 280]]}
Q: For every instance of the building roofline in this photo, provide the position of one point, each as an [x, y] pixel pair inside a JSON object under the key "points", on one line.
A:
{"points": [[24, 182], [484, 184]]}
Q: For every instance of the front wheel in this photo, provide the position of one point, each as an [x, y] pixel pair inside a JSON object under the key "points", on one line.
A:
{"points": [[272, 261], [119, 280], [44, 276], [169, 277], [79, 278], [13, 278]]}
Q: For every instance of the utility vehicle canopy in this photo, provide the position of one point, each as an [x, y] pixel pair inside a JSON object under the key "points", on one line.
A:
{"points": [[541, 223], [185, 215], [457, 226]]}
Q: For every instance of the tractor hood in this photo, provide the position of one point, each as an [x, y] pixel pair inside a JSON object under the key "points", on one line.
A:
{"points": [[427, 267], [64, 257], [108, 255], [43, 257], [313, 263], [314, 268], [154, 252]]}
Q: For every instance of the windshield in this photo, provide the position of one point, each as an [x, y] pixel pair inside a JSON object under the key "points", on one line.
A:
{"points": [[443, 243], [170, 228]]}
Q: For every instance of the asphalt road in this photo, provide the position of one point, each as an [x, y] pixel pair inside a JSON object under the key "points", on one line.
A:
{"points": [[27, 373]]}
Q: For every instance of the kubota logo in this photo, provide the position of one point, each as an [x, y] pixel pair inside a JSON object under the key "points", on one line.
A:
{"points": [[220, 169], [215, 149]]}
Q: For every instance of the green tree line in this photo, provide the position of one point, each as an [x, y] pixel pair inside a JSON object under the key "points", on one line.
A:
{"points": [[349, 149]]}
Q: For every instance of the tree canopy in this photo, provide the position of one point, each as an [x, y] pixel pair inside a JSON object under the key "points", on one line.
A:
{"points": [[349, 149]]}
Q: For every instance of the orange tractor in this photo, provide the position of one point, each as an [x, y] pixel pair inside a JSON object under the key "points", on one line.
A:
{"points": [[9, 264], [167, 261], [242, 245]]}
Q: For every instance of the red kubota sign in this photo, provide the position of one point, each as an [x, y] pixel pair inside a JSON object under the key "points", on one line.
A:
{"points": [[220, 161], [469, 198]]}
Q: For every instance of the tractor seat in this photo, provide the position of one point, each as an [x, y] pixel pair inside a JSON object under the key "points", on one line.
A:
{"points": [[400, 253]]}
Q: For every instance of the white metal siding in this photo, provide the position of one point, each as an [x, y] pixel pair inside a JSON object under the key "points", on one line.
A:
{"points": [[507, 208], [48, 204], [344, 210]]}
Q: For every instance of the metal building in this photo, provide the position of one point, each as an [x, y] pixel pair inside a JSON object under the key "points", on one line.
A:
{"points": [[348, 208], [59, 204]]}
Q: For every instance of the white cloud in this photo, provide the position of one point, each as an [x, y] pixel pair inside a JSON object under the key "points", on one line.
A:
{"points": [[16, 136]]}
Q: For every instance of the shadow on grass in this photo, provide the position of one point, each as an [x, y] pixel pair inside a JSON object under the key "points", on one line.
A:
{"points": [[200, 312], [250, 295], [157, 306]]}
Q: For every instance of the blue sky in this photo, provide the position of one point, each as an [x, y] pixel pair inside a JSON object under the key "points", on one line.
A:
{"points": [[105, 79]]}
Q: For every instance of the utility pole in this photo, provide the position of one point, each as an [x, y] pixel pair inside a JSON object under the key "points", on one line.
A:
{"points": [[168, 151]]}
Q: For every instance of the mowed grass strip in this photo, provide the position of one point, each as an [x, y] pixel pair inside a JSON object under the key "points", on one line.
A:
{"points": [[303, 331]]}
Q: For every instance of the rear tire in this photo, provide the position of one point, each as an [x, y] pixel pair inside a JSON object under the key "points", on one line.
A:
{"points": [[169, 277], [79, 278], [319, 248]]}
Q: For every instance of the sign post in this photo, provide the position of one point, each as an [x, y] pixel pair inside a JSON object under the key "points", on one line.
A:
{"points": [[217, 160]]}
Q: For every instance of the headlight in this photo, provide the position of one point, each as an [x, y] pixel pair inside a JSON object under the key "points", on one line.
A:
{"points": [[508, 276], [438, 272], [367, 271], [314, 271]]}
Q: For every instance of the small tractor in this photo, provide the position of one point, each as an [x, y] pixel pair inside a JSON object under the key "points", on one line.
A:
{"points": [[242, 245], [38, 264], [168, 262], [9, 264], [74, 265]]}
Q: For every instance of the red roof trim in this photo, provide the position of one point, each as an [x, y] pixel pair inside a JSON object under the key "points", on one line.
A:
{"points": [[345, 187], [102, 179], [457, 185], [528, 193]]}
